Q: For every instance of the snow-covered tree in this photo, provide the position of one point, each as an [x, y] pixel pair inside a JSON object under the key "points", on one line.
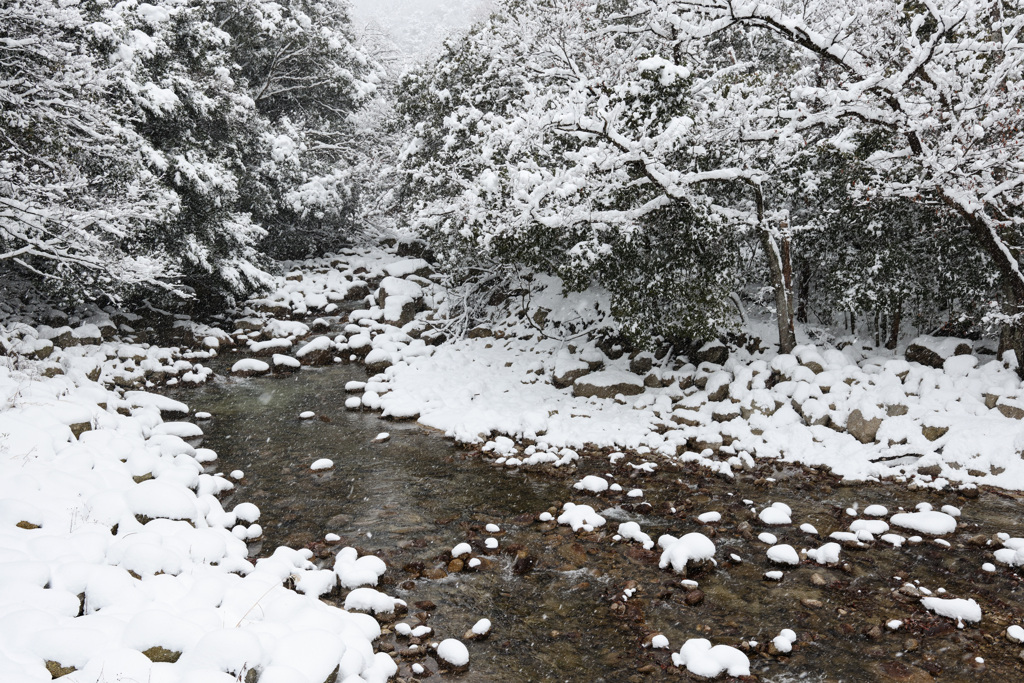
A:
{"points": [[568, 129], [299, 64], [174, 143], [933, 89], [77, 198]]}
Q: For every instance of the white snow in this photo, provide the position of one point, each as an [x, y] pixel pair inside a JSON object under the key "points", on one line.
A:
{"points": [[482, 627], [250, 365], [591, 483], [776, 514], [678, 552], [954, 608], [580, 517], [369, 600], [307, 415], [784, 641], [876, 511], [1015, 633], [322, 464], [354, 571], [659, 642], [454, 652], [246, 512], [701, 658], [826, 554], [159, 562], [461, 549], [631, 532], [709, 517], [926, 522], [783, 554]]}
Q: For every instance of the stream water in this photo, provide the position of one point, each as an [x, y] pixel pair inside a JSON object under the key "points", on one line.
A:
{"points": [[579, 607]]}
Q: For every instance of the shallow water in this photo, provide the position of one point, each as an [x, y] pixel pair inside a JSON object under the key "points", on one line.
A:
{"points": [[413, 497]]}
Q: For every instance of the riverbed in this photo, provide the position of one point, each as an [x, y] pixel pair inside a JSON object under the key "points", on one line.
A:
{"points": [[580, 606]]}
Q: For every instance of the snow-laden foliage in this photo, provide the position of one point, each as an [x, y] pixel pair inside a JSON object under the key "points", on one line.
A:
{"points": [[76, 191], [680, 152], [176, 143]]}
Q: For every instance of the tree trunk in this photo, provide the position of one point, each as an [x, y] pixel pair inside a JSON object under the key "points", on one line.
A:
{"points": [[803, 291], [777, 251], [894, 331], [1011, 338]]}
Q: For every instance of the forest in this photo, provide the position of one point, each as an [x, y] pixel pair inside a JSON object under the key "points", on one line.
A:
{"points": [[601, 340], [857, 170]]}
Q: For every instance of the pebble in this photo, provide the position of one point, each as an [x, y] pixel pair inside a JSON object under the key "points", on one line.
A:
{"points": [[818, 580], [694, 597], [812, 603]]}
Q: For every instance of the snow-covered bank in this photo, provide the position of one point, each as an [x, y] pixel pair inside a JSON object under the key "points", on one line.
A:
{"points": [[937, 419], [117, 560]]}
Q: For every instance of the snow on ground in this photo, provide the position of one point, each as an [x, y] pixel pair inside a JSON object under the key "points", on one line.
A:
{"points": [[117, 560]]}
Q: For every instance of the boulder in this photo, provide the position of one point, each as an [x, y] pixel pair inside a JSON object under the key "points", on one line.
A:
{"points": [[933, 432], [1010, 408], [568, 369], [86, 335], [641, 363], [285, 364], [933, 351], [250, 367], [713, 352], [862, 428], [276, 309], [608, 384], [357, 291], [319, 351], [377, 361]]}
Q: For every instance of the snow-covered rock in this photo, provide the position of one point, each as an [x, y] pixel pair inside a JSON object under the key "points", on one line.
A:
{"points": [[679, 552], [701, 658], [926, 522], [954, 608], [580, 517]]}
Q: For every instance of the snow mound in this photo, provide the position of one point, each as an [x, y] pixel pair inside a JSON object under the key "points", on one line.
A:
{"points": [[631, 532], [482, 627], [776, 514], [784, 641], [954, 608], [453, 652], [826, 554], [580, 517], [354, 571], [678, 552], [926, 522], [591, 483], [370, 600], [702, 658], [783, 554]]}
